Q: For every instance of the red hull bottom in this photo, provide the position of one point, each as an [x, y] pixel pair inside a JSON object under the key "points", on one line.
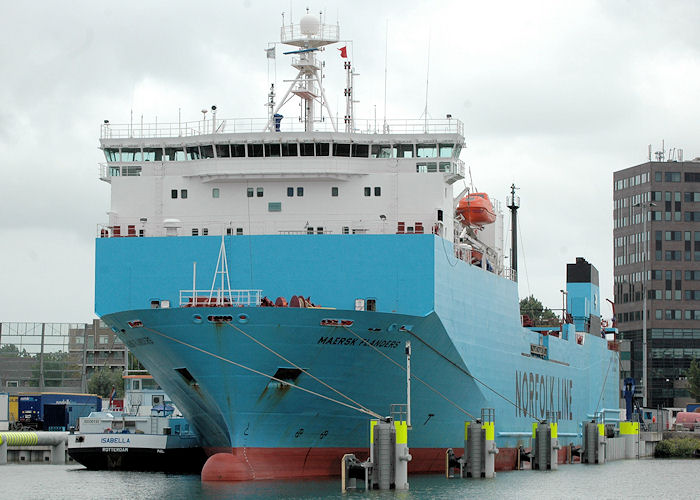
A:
{"points": [[246, 464]]}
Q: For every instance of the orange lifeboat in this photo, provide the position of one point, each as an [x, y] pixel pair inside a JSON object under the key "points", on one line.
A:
{"points": [[476, 209]]}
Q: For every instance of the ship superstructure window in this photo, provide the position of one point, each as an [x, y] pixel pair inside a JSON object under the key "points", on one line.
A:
{"points": [[174, 154], [255, 150], [205, 231], [272, 150], [382, 151], [215, 192], [377, 191], [340, 149], [131, 171], [223, 151], [404, 150], [207, 151], [300, 191], [368, 191], [111, 154], [239, 231], [130, 154], [152, 154], [334, 191], [446, 150], [250, 192], [445, 166], [195, 231], [238, 150], [322, 149], [183, 194], [173, 193], [306, 149], [360, 150], [259, 192], [290, 191], [274, 206], [193, 153], [289, 149], [426, 150]]}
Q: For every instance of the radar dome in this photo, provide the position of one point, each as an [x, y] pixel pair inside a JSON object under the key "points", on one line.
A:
{"points": [[310, 25]]}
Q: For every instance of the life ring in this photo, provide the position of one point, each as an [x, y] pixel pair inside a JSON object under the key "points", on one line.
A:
{"points": [[604, 323]]}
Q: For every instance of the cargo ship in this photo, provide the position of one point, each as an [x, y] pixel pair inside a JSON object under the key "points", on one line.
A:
{"points": [[270, 274]]}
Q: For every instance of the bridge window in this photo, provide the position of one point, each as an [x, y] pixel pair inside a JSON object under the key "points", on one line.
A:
{"points": [[238, 150], [322, 149], [255, 150], [289, 149], [382, 151], [129, 154], [341, 149], [111, 154], [174, 154], [360, 150], [152, 154], [306, 149], [272, 150], [207, 151], [193, 153], [446, 150], [426, 150], [223, 151], [404, 150]]}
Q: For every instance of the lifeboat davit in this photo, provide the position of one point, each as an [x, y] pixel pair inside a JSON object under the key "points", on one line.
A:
{"points": [[476, 209]]}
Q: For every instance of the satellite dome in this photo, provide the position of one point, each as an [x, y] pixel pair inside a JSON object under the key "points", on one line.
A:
{"points": [[310, 25]]}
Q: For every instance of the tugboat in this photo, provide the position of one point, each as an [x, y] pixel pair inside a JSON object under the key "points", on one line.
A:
{"points": [[146, 436]]}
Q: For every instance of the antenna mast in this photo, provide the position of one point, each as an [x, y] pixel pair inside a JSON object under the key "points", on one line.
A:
{"points": [[514, 203], [309, 36]]}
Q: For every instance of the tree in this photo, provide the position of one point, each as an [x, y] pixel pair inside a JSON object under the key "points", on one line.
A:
{"points": [[694, 379], [13, 350], [102, 381], [536, 311]]}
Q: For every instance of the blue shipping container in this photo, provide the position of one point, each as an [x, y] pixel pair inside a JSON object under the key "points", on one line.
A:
{"points": [[30, 407]]}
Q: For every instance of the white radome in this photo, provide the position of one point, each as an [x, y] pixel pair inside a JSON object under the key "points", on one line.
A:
{"points": [[310, 25]]}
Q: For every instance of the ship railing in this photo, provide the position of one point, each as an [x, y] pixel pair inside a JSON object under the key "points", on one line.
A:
{"points": [[220, 298], [328, 33], [251, 125]]}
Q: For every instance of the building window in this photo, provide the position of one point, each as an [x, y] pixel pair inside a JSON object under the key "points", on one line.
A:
{"points": [[215, 192], [290, 191], [12, 383], [300, 191], [183, 194], [260, 192], [377, 191], [104, 339], [250, 192], [274, 206], [334, 191], [659, 314], [368, 191], [173, 193]]}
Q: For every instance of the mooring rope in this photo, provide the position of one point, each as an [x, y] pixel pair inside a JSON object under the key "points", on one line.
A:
{"points": [[525, 412], [412, 375], [361, 410], [298, 367]]}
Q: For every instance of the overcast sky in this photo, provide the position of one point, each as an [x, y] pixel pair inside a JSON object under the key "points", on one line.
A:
{"points": [[555, 96]]}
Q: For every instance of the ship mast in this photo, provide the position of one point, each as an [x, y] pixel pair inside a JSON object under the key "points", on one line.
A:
{"points": [[514, 203], [309, 36]]}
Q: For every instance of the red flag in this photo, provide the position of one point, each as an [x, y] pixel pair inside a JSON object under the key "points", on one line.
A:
{"points": [[344, 52]]}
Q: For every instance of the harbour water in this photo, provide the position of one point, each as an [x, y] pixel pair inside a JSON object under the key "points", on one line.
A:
{"points": [[678, 479]]}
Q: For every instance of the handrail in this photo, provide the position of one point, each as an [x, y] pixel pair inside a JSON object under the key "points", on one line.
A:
{"points": [[248, 125]]}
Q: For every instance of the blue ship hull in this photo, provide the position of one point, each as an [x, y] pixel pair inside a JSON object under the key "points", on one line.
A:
{"points": [[463, 324]]}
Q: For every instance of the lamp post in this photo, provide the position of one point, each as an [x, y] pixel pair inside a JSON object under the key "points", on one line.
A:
{"points": [[645, 390], [564, 293]]}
